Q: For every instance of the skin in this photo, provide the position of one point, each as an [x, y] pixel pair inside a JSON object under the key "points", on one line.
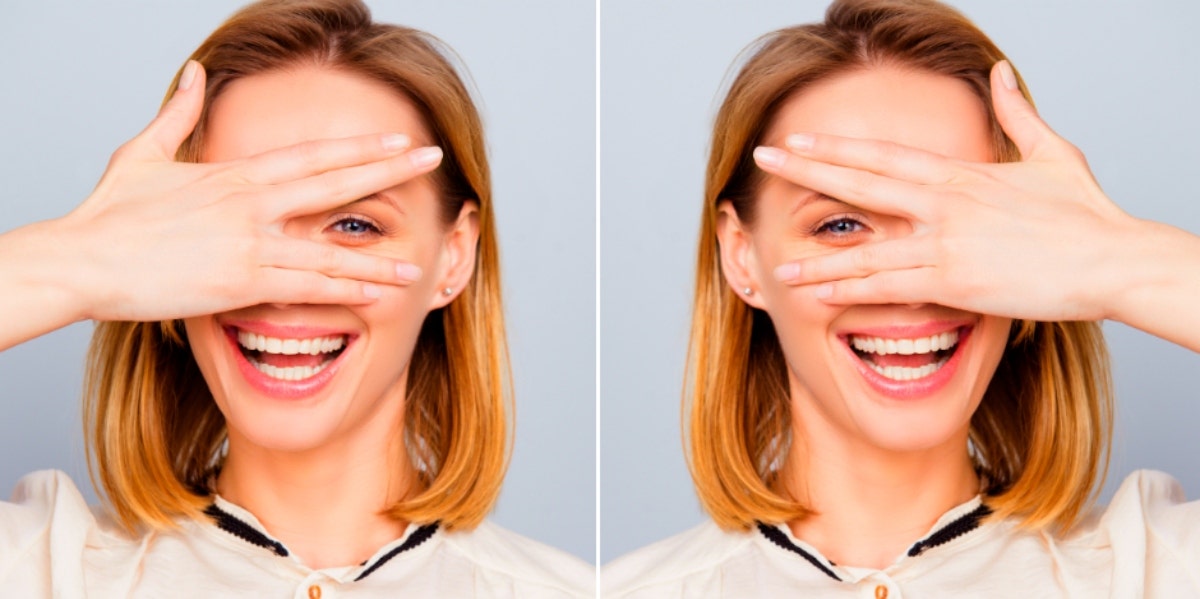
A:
{"points": [[318, 470], [877, 470], [217, 245], [1115, 267]]}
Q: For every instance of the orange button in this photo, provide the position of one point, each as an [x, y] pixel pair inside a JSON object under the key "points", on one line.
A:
{"points": [[314, 592], [880, 592]]}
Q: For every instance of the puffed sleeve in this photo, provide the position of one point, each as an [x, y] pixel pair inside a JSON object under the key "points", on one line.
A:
{"points": [[43, 531], [1155, 537]]}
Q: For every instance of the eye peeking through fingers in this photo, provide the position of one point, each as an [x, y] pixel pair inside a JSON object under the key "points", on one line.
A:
{"points": [[354, 228], [841, 229]]}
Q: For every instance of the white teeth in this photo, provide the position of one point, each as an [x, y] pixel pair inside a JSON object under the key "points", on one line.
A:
{"points": [[291, 373], [907, 347], [289, 347], [904, 373]]}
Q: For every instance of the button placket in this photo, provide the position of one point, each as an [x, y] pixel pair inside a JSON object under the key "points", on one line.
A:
{"points": [[879, 587], [316, 586]]}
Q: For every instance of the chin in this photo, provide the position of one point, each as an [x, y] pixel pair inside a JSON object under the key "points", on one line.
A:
{"points": [[280, 428]]}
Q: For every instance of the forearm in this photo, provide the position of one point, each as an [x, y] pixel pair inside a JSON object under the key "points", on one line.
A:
{"points": [[1160, 294], [35, 275]]}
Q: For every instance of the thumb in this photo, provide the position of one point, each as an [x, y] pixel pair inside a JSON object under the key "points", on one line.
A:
{"points": [[177, 118], [1018, 117]]}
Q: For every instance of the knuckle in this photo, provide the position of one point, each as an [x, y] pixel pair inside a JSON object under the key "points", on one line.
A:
{"points": [[329, 258], [859, 185], [888, 154], [335, 185], [863, 259], [309, 154]]}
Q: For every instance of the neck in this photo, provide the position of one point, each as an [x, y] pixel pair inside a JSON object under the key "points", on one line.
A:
{"points": [[869, 505], [325, 504]]}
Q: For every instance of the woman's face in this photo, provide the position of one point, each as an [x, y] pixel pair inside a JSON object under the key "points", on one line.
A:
{"points": [[894, 377], [299, 377]]}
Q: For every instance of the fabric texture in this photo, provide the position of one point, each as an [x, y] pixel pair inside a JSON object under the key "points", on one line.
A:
{"points": [[53, 545], [1146, 543]]}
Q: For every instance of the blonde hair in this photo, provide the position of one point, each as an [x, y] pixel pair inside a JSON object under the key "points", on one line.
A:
{"points": [[1040, 435], [153, 430]]}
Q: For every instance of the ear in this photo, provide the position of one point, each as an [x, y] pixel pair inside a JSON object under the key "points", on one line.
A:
{"points": [[460, 243], [737, 255]]}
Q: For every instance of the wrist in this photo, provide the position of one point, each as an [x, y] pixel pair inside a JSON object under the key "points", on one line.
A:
{"points": [[50, 261], [1147, 259]]}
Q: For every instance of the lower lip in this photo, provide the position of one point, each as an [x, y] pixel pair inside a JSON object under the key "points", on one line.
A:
{"points": [[915, 388], [284, 389]]}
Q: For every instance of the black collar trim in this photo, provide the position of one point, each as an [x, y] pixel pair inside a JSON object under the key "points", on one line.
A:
{"points": [[238, 528], [234, 526], [956, 528], [776, 536], [418, 536]]}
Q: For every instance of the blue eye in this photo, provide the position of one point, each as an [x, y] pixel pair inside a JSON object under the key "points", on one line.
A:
{"points": [[841, 226], [355, 227]]}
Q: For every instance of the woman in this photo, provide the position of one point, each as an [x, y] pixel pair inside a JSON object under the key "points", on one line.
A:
{"points": [[257, 426], [882, 403]]}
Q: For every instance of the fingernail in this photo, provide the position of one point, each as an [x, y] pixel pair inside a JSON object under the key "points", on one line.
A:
{"points": [[800, 141], [1007, 75], [188, 76], [408, 272], [824, 291], [396, 141], [769, 158], [787, 272], [372, 291], [426, 156]]}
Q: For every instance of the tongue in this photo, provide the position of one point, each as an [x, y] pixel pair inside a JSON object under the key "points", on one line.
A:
{"points": [[911, 361], [285, 361]]}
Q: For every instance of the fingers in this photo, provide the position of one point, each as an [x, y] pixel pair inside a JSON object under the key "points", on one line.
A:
{"points": [[316, 157], [1018, 117], [880, 157], [163, 136], [890, 287], [279, 285], [338, 262], [856, 262], [856, 187], [336, 188]]}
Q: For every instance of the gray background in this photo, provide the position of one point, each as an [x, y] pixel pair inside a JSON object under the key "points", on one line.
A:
{"points": [[1117, 79], [81, 78]]}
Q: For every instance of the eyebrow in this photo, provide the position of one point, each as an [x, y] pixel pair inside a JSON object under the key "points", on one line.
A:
{"points": [[380, 197], [811, 196]]}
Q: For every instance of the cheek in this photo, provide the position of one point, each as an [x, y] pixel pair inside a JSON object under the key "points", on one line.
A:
{"points": [[203, 337], [802, 325]]}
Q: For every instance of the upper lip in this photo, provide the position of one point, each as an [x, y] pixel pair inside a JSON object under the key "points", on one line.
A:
{"points": [[286, 331], [906, 331]]}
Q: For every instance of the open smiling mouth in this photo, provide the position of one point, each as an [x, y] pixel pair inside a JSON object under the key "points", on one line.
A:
{"points": [[290, 359], [906, 359]]}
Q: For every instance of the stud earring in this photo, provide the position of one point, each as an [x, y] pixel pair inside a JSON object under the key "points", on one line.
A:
{"points": [[447, 291], [748, 291]]}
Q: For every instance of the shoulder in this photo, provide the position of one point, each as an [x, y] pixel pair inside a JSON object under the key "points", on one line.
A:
{"points": [[41, 500], [1151, 532], [1147, 498], [505, 554], [672, 561], [46, 525]]}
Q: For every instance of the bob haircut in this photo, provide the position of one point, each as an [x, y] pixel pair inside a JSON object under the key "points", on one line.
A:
{"points": [[1041, 434], [154, 433]]}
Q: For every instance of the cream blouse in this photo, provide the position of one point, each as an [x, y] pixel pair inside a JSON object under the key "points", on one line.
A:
{"points": [[53, 545], [1145, 544]]}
